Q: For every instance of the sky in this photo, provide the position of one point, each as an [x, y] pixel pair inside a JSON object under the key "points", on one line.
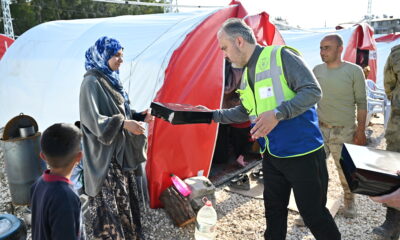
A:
{"points": [[310, 13]]}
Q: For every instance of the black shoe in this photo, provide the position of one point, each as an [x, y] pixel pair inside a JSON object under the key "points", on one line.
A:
{"points": [[258, 175], [240, 182]]}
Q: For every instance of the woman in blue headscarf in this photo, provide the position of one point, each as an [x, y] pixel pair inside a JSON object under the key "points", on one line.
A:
{"points": [[113, 143]]}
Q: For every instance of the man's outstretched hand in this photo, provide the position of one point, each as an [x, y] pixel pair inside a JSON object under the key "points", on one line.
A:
{"points": [[149, 118]]}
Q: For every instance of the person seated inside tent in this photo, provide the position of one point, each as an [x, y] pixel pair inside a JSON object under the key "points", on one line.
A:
{"points": [[362, 58], [234, 141], [366, 70], [362, 61]]}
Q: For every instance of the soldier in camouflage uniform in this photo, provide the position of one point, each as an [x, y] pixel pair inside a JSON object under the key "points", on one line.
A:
{"points": [[390, 229], [392, 89], [343, 94]]}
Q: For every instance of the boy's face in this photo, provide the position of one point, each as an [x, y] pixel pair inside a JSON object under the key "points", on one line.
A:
{"points": [[78, 157]]}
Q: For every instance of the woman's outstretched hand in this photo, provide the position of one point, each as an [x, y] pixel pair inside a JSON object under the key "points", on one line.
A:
{"points": [[134, 127]]}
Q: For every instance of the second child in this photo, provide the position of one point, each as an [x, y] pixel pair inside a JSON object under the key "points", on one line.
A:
{"points": [[56, 208]]}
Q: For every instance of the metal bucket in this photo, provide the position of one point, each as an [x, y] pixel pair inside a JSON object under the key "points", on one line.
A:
{"points": [[27, 131], [23, 166]]}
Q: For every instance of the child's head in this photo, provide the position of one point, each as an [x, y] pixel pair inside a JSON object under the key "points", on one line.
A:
{"points": [[61, 145]]}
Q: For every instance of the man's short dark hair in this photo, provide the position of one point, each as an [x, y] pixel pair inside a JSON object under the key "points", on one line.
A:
{"points": [[235, 27], [336, 37], [60, 142]]}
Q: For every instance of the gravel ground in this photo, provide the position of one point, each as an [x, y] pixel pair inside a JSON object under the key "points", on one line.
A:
{"points": [[241, 217]]}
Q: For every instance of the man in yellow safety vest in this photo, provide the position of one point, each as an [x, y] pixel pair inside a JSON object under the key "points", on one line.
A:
{"points": [[278, 94]]}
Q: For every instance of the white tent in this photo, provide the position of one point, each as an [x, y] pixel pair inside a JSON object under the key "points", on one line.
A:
{"points": [[170, 58], [42, 71], [307, 42]]}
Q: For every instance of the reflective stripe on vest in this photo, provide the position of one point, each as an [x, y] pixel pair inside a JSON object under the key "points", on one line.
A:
{"points": [[274, 72], [269, 91], [259, 99]]}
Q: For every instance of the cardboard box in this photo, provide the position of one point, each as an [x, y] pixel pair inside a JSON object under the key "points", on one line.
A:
{"points": [[201, 187]]}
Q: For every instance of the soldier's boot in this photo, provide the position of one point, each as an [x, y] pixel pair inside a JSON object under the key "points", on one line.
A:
{"points": [[390, 229], [349, 210]]}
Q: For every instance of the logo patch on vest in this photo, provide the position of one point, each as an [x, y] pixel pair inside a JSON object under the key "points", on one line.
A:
{"points": [[262, 65], [266, 92]]}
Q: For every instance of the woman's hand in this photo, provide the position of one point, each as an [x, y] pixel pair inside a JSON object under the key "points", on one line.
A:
{"points": [[149, 118], [134, 127]]}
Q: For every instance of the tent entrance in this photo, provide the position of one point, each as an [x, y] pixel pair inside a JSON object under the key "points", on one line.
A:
{"points": [[233, 143], [362, 58], [235, 151]]}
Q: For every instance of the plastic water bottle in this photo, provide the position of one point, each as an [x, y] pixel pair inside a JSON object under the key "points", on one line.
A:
{"points": [[180, 185], [205, 222]]}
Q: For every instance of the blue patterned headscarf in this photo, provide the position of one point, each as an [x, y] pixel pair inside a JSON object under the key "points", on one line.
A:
{"points": [[97, 57]]}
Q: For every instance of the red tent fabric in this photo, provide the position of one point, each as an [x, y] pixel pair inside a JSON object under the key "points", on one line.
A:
{"points": [[362, 46], [266, 33], [194, 76], [5, 42], [194, 72], [388, 38], [240, 12]]}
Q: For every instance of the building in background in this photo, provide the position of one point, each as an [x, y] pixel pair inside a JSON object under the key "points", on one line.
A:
{"points": [[386, 25]]}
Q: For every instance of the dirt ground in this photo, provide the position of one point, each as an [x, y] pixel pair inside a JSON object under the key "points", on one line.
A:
{"points": [[241, 217]]}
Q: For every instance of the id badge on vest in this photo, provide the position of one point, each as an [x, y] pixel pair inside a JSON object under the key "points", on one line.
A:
{"points": [[266, 92]]}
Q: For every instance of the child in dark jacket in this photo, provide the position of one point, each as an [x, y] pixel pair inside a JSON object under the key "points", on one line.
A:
{"points": [[56, 208]]}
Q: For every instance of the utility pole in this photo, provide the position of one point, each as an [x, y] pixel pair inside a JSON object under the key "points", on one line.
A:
{"points": [[167, 9], [7, 20], [171, 8], [369, 11], [58, 8]]}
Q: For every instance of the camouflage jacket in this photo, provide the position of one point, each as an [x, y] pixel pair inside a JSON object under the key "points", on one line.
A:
{"points": [[392, 77]]}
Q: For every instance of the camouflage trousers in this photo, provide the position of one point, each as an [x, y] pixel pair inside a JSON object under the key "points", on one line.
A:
{"points": [[334, 137], [392, 133], [114, 212]]}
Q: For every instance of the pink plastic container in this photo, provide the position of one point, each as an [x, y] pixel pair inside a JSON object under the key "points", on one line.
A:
{"points": [[180, 185]]}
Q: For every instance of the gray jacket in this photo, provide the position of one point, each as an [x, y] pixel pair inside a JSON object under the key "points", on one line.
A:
{"points": [[102, 114], [300, 79]]}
